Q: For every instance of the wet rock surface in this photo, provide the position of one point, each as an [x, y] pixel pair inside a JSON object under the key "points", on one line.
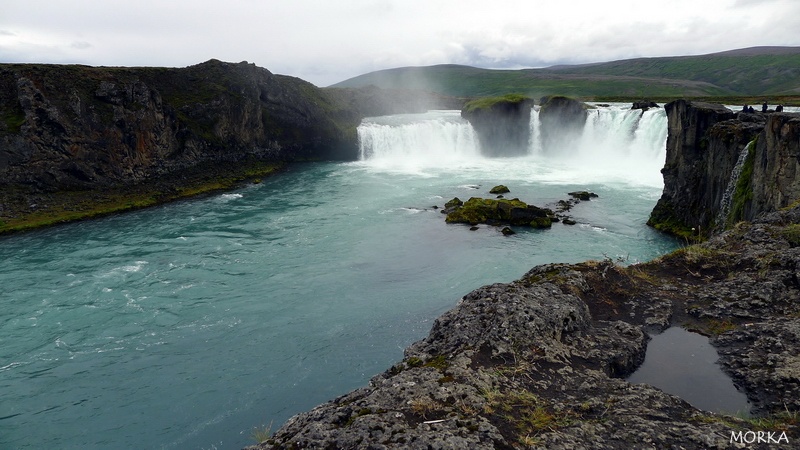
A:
{"points": [[540, 362]]}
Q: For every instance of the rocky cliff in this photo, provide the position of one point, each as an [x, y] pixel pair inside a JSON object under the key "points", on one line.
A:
{"points": [[77, 141], [713, 179], [501, 123]]}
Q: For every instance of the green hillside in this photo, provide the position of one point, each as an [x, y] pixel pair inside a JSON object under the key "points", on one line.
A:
{"points": [[746, 72]]}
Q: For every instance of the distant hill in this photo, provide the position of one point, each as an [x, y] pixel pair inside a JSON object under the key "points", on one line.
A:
{"points": [[743, 72]]}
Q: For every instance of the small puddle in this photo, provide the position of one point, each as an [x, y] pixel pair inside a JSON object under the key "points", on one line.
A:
{"points": [[684, 364]]}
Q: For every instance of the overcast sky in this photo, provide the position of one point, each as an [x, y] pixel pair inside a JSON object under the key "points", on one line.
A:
{"points": [[326, 41]]}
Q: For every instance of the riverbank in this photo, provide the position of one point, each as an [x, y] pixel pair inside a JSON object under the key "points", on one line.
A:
{"points": [[24, 209]]}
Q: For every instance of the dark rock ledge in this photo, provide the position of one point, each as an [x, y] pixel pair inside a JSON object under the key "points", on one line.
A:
{"points": [[540, 362]]}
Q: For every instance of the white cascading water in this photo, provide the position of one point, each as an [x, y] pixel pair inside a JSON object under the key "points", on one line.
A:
{"points": [[616, 143], [727, 196], [432, 139]]}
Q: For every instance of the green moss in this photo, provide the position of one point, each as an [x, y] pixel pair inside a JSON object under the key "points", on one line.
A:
{"points": [[437, 362], [13, 120], [663, 219], [499, 189], [781, 421], [542, 222], [743, 193], [494, 211], [69, 206], [414, 362], [490, 102], [526, 412], [716, 327], [792, 234]]}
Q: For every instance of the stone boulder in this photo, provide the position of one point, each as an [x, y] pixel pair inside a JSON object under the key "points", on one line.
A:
{"points": [[498, 212], [499, 189]]}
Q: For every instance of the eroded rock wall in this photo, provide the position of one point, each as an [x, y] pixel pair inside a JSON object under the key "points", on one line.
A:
{"points": [[72, 127], [710, 182], [502, 126], [776, 166]]}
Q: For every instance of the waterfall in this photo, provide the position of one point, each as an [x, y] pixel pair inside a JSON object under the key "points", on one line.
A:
{"points": [[616, 143], [727, 196], [535, 144], [427, 139], [615, 132]]}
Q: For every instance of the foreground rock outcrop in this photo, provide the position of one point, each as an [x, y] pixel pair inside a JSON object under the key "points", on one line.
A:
{"points": [[540, 362], [712, 179]]}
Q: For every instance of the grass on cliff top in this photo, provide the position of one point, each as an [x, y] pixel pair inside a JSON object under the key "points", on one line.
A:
{"points": [[489, 102]]}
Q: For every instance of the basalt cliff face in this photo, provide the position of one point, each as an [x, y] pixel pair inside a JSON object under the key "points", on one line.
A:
{"points": [[503, 124], [77, 140], [723, 167], [76, 127]]}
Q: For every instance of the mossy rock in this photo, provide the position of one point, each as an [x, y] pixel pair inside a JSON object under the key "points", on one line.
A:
{"points": [[487, 103], [499, 189], [583, 195], [542, 222], [499, 211], [453, 203]]}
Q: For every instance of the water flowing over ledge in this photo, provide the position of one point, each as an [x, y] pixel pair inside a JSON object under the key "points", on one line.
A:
{"points": [[616, 143]]}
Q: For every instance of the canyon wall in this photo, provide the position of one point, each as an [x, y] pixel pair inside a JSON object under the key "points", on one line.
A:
{"points": [[712, 179], [78, 141]]}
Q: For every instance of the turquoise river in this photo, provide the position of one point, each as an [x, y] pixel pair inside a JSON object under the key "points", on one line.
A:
{"points": [[189, 325]]}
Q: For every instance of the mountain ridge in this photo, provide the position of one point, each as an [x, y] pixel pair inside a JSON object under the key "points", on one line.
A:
{"points": [[753, 71]]}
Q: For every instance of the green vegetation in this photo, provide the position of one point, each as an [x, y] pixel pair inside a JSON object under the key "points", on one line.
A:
{"points": [[663, 219], [13, 120], [733, 76], [496, 211], [743, 193], [500, 189], [262, 434], [526, 412], [781, 421], [792, 234], [490, 102], [68, 206], [716, 327]]}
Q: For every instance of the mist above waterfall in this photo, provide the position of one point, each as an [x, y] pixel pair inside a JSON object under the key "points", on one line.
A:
{"points": [[615, 144]]}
